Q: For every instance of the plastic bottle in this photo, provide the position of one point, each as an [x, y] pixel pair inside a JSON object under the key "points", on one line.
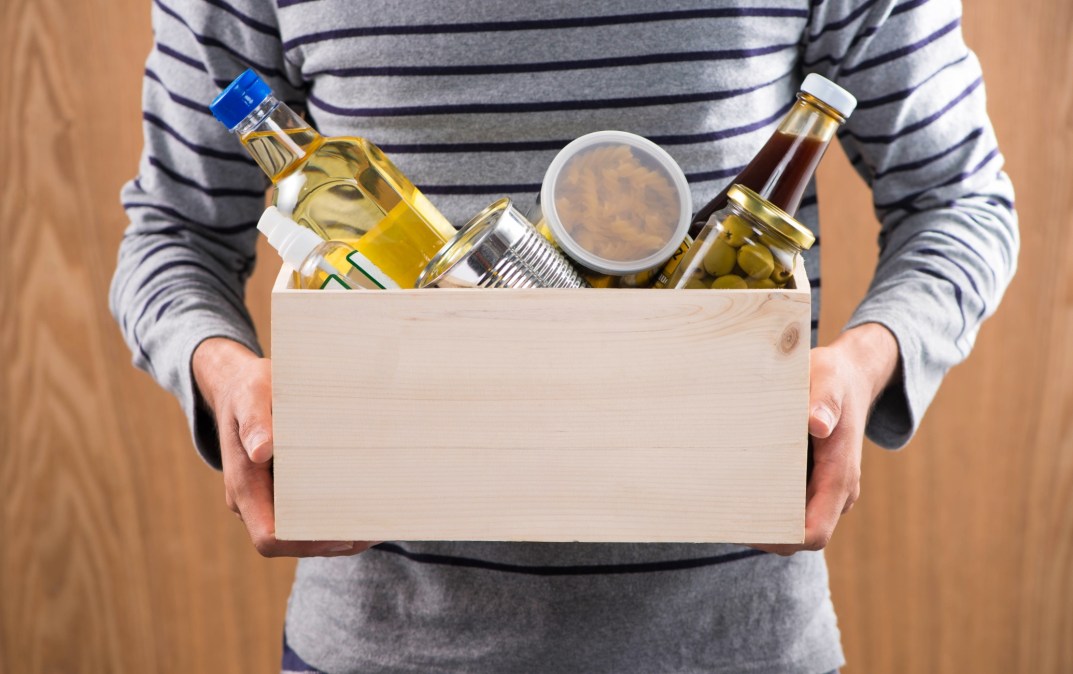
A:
{"points": [[319, 264], [341, 188], [782, 169]]}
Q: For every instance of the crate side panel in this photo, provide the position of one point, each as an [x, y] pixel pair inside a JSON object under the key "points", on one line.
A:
{"points": [[542, 415]]}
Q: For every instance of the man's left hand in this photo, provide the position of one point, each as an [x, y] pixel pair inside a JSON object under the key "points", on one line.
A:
{"points": [[847, 377]]}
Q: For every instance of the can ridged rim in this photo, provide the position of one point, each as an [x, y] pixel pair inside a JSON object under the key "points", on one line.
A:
{"points": [[587, 257]]}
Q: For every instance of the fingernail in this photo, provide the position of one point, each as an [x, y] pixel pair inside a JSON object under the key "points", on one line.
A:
{"points": [[256, 445], [342, 547], [824, 416]]}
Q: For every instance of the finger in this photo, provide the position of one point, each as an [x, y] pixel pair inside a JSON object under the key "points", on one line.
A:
{"points": [[253, 412], [830, 487], [825, 402], [854, 495], [253, 496]]}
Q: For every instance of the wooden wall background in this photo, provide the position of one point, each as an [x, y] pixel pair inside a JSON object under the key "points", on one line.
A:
{"points": [[116, 551]]}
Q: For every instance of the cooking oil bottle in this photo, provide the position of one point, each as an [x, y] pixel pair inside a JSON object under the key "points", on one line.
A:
{"points": [[319, 264], [342, 188]]}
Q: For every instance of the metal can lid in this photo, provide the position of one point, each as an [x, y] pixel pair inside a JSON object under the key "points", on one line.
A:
{"points": [[772, 216], [445, 269]]}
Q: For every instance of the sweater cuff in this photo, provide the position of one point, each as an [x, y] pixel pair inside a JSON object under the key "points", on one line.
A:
{"points": [[899, 408]]}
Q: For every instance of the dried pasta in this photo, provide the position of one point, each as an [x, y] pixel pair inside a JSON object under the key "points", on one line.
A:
{"points": [[615, 206]]}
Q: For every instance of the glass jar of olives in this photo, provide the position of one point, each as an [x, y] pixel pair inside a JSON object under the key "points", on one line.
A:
{"points": [[749, 244]]}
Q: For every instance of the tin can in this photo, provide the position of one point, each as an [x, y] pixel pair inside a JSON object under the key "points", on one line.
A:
{"points": [[499, 248]]}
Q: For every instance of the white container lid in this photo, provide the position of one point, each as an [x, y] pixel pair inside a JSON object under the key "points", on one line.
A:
{"points": [[647, 154], [830, 93]]}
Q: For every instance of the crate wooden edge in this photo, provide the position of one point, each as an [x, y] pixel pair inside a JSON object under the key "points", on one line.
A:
{"points": [[284, 285]]}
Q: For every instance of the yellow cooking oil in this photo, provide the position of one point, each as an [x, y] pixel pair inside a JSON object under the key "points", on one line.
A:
{"points": [[346, 189]]}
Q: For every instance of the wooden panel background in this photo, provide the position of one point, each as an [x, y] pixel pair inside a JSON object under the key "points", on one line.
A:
{"points": [[116, 551]]}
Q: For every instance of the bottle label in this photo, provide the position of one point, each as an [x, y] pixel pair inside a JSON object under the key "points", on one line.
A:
{"points": [[334, 282], [667, 272], [370, 271]]}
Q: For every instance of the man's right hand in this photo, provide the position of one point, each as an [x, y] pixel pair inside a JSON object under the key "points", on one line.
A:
{"points": [[237, 386]]}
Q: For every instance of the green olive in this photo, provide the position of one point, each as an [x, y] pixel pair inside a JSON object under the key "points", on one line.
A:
{"points": [[719, 259], [761, 284], [729, 282], [735, 231], [781, 274], [695, 283], [756, 261]]}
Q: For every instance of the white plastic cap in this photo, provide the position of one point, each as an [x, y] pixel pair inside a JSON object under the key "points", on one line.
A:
{"points": [[293, 241], [830, 93]]}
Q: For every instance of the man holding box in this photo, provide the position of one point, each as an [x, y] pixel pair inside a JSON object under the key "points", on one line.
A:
{"points": [[472, 100]]}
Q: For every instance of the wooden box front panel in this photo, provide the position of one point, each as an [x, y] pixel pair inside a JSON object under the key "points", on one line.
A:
{"points": [[540, 415]]}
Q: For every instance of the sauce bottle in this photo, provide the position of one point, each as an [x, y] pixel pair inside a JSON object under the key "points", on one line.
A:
{"points": [[342, 188], [781, 171]]}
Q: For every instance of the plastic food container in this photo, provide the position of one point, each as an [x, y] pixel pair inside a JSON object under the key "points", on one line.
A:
{"points": [[616, 203]]}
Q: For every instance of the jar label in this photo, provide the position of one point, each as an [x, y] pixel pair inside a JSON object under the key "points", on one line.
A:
{"points": [[370, 271], [334, 282]]}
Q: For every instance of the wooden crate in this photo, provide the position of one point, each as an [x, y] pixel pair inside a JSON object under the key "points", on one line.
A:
{"points": [[540, 415]]}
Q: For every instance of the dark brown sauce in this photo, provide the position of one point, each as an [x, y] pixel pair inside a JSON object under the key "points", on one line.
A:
{"points": [[780, 172]]}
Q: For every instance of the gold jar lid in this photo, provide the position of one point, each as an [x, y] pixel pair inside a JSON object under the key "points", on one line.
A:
{"points": [[772, 216]]}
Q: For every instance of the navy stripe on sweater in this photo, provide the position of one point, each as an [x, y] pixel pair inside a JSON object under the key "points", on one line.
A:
{"points": [[262, 68], [558, 144], [194, 147], [920, 124], [921, 163], [553, 66], [957, 297], [202, 227], [839, 24], [903, 51], [181, 57], [906, 6], [932, 252], [539, 106], [197, 106], [253, 23], [208, 191], [964, 175], [516, 188], [543, 24], [572, 570], [906, 93]]}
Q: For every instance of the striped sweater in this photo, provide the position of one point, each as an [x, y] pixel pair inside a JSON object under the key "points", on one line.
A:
{"points": [[472, 99]]}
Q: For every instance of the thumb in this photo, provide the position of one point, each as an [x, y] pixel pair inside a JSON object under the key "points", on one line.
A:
{"points": [[254, 417], [825, 408]]}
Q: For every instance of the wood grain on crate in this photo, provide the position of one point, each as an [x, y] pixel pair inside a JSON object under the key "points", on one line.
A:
{"points": [[540, 415]]}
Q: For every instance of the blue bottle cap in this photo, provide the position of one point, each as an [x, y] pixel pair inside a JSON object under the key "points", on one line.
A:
{"points": [[239, 99]]}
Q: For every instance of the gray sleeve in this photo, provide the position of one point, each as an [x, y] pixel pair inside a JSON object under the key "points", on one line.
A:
{"points": [[922, 140], [185, 257]]}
